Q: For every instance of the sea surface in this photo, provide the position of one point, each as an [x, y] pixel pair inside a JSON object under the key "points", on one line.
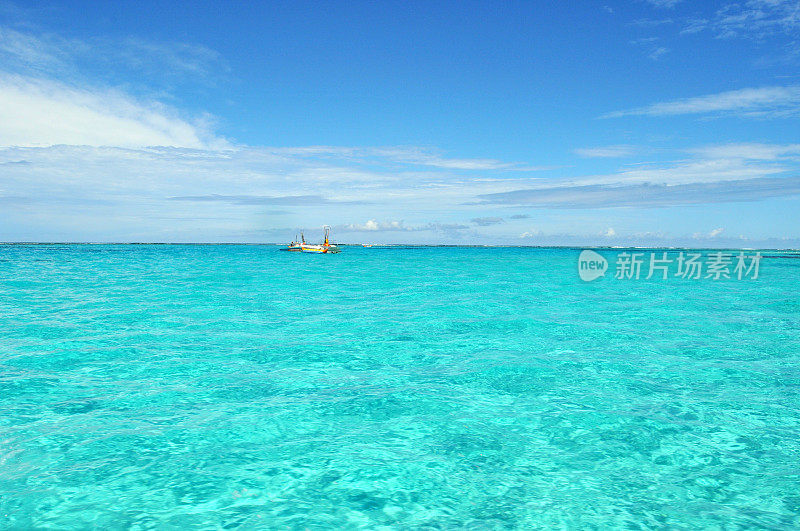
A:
{"points": [[239, 386]]}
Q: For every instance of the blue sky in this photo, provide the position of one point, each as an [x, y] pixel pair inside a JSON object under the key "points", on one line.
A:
{"points": [[660, 122]]}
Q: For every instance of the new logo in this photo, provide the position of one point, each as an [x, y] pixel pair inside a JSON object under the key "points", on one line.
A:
{"points": [[591, 265]]}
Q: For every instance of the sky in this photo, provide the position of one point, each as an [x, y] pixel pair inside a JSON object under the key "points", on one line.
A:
{"points": [[641, 122]]}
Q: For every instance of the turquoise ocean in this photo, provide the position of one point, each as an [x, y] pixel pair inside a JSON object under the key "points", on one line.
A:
{"points": [[240, 386]]}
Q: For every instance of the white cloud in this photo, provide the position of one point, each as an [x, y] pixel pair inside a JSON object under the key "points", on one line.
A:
{"points": [[647, 23], [709, 164], [664, 3], [165, 58], [658, 52], [27, 53], [405, 155], [756, 102], [757, 18], [694, 25], [399, 226], [715, 174], [431, 158], [457, 164], [753, 151], [372, 226], [610, 233], [487, 221], [606, 152], [533, 233], [654, 51], [708, 235], [23, 49], [701, 170], [42, 112]]}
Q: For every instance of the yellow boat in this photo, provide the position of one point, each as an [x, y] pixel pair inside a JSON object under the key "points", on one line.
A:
{"points": [[324, 248], [297, 246]]}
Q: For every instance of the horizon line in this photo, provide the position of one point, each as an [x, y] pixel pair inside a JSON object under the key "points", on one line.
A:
{"points": [[367, 246]]}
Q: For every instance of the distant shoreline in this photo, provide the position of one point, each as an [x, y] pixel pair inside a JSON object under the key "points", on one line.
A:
{"points": [[412, 245]]}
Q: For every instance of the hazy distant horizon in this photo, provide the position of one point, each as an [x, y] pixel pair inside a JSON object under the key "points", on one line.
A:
{"points": [[401, 244]]}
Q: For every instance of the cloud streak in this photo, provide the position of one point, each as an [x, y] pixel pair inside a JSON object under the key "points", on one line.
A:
{"points": [[647, 195], [428, 158], [605, 152], [664, 3], [750, 151], [405, 155], [251, 200], [50, 54], [399, 226], [487, 221], [752, 19], [749, 102]]}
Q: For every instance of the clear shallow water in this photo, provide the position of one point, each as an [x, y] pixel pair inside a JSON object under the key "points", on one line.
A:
{"points": [[240, 386]]}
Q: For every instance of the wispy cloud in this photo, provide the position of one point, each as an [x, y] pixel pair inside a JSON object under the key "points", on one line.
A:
{"points": [[712, 234], [423, 158], [658, 52], [647, 195], [754, 18], [435, 159], [373, 226], [714, 174], [250, 200], [663, 3], [752, 151], [533, 233], [651, 239], [172, 58], [404, 155], [45, 75], [487, 221], [50, 54], [398, 226], [37, 53], [606, 151], [651, 46], [751, 102], [650, 22], [94, 117], [694, 25]]}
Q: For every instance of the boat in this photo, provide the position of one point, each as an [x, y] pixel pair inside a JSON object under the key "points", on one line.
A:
{"points": [[297, 246], [324, 248]]}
